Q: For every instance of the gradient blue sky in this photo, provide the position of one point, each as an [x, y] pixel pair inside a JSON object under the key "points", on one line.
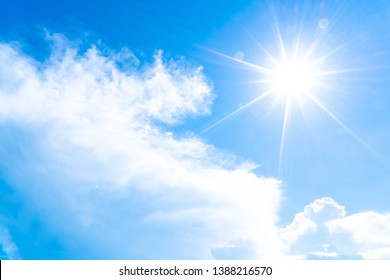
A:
{"points": [[112, 144]]}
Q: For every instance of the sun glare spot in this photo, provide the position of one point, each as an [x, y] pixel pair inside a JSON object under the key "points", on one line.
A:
{"points": [[292, 78]]}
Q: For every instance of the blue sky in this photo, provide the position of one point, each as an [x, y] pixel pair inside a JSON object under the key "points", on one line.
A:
{"points": [[194, 130]]}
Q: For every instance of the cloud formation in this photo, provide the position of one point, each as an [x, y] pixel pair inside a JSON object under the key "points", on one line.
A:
{"points": [[87, 152], [366, 234], [324, 230], [85, 143]]}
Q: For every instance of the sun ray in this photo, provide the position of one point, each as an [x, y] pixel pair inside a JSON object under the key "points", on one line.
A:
{"points": [[312, 48], [339, 122], [326, 86], [302, 109], [278, 34], [299, 33], [268, 54], [328, 54], [283, 137], [261, 69], [261, 81], [245, 106], [347, 70]]}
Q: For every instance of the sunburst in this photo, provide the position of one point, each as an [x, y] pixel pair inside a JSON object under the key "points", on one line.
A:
{"points": [[291, 76]]}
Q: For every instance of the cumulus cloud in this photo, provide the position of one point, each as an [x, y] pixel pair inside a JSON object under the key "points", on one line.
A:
{"points": [[324, 230], [308, 234], [86, 142], [366, 233]]}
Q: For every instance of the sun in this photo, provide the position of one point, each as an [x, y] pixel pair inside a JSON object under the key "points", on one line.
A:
{"points": [[292, 78], [298, 73]]}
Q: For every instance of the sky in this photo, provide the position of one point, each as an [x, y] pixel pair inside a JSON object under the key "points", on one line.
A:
{"points": [[194, 129]]}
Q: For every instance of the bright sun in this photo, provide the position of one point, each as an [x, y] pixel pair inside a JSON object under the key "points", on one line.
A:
{"points": [[292, 78], [292, 74]]}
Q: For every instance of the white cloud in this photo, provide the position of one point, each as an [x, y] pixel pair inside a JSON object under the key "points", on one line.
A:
{"points": [[308, 233], [83, 145], [67, 83], [368, 234], [324, 229], [382, 253]]}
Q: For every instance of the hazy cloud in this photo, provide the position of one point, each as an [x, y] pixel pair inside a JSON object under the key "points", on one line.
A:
{"points": [[9, 250]]}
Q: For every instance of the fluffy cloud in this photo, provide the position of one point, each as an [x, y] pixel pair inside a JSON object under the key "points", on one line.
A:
{"points": [[324, 230], [366, 234], [308, 234], [85, 144]]}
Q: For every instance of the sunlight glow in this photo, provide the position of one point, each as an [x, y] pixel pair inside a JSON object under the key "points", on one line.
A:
{"points": [[296, 74], [292, 78]]}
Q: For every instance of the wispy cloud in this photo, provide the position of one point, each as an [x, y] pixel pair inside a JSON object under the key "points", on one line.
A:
{"points": [[9, 250], [85, 144]]}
